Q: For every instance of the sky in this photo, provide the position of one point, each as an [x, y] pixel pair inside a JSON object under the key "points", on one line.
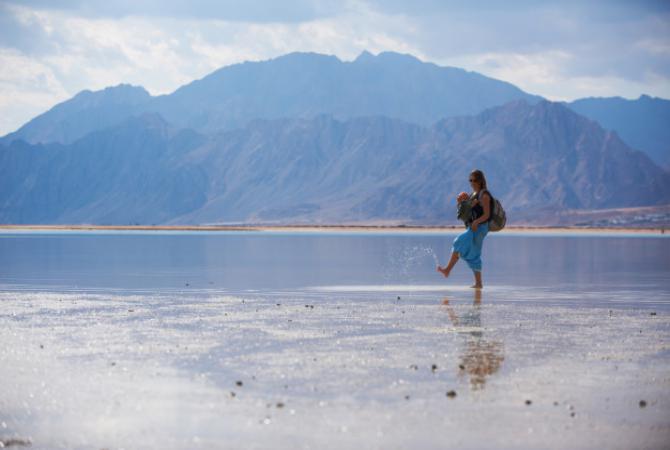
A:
{"points": [[563, 50]]}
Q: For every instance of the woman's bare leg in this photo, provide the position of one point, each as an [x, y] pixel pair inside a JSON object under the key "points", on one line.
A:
{"points": [[478, 280], [452, 262]]}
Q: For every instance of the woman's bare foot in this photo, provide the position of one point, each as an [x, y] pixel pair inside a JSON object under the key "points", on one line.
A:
{"points": [[478, 280], [444, 271]]}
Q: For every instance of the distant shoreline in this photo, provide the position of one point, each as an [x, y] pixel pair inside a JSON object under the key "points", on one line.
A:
{"points": [[330, 228]]}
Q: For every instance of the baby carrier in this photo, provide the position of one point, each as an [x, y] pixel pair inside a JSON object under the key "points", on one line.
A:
{"points": [[468, 213]]}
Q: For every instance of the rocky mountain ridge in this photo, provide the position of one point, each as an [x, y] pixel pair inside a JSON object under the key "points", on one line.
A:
{"points": [[540, 157]]}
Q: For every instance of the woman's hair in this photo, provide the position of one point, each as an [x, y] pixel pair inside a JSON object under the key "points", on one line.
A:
{"points": [[479, 177]]}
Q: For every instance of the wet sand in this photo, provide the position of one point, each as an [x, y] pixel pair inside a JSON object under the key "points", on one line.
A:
{"points": [[336, 367]]}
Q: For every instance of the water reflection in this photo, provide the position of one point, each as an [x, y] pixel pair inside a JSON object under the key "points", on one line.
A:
{"points": [[480, 357]]}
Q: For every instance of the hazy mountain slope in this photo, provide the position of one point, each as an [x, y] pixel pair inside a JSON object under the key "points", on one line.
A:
{"points": [[132, 173], [306, 84], [296, 85], [537, 158], [644, 124], [84, 113]]}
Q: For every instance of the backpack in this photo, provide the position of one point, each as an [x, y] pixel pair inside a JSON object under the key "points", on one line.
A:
{"points": [[498, 217]]}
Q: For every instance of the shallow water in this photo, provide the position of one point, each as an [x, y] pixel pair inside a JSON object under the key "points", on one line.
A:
{"points": [[198, 261], [139, 340]]}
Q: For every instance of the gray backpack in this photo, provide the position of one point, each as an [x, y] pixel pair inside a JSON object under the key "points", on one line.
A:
{"points": [[498, 217]]}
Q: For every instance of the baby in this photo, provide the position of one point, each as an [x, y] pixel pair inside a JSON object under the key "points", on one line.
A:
{"points": [[464, 207]]}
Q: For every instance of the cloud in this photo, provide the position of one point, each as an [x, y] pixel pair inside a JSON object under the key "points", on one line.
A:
{"points": [[26, 90], [21, 29], [544, 73], [558, 50], [264, 11]]}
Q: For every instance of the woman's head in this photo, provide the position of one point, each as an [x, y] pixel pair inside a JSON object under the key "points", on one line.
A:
{"points": [[477, 180]]}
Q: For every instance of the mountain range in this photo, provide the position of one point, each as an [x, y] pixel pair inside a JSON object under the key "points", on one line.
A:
{"points": [[295, 85], [307, 138], [145, 171]]}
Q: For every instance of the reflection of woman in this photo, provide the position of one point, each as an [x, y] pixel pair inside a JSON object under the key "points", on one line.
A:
{"points": [[468, 245], [481, 357]]}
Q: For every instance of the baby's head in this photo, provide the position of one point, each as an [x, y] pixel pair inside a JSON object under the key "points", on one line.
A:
{"points": [[463, 196]]}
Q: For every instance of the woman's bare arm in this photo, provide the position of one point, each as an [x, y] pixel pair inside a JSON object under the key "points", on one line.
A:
{"points": [[486, 206]]}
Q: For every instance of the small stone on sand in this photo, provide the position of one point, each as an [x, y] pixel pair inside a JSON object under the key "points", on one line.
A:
{"points": [[451, 394], [15, 442], [643, 403]]}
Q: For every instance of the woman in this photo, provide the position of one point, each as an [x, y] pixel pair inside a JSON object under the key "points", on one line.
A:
{"points": [[469, 244]]}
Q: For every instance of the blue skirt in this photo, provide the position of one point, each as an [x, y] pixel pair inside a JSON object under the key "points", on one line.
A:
{"points": [[468, 245]]}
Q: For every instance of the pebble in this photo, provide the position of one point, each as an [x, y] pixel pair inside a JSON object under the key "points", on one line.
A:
{"points": [[528, 402], [652, 313], [433, 367], [451, 394], [643, 403], [414, 366], [15, 441], [239, 383], [280, 405], [461, 366]]}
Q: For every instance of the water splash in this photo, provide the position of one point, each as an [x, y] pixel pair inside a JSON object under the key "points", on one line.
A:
{"points": [[407, 263], [417, 253], [414, 265]]}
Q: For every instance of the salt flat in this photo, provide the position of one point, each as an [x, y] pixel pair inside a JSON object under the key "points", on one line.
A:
{"points": [[187, 340], [358, 366]]}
